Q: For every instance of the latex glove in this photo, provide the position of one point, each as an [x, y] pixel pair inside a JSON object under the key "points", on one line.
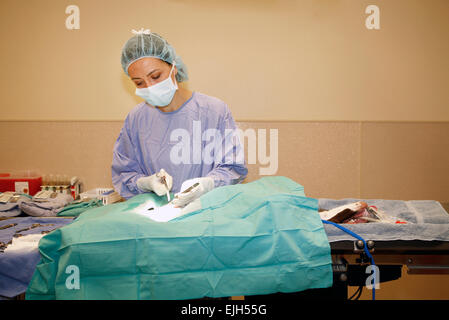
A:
{"points": [[195, 205], [182, 198], [154, 183]]}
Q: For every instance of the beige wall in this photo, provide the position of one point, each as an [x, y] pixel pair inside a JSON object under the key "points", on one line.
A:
{"points": [[268, 59]]}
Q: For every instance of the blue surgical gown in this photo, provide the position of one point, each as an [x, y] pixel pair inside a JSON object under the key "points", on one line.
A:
{"points": [[146, 140]]}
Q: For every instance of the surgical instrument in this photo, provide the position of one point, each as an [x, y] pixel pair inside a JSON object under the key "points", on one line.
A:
{"points": [[164, 181], [8, 226], [191, 188], [188, 189], [34, 225]]}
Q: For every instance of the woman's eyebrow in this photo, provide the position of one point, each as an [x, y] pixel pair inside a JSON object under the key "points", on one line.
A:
{"points": [[147, 74]]}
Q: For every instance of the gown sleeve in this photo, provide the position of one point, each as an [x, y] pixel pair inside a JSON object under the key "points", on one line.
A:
{"points": [[231, 168], [125, 167]]}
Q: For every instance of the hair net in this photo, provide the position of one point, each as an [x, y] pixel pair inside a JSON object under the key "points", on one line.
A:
{"points": [[149, 44]]}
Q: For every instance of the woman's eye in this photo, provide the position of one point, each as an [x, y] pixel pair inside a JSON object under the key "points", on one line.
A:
{"points": [[156, 77]]}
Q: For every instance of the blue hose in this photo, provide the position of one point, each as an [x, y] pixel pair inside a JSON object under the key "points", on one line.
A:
{"points": [[365, 248]]}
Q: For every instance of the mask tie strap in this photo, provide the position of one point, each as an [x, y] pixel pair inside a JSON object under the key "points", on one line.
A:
{"points": [[169, 76]]}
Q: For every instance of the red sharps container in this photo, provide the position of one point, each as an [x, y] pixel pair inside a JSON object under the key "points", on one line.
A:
{"points": [[27, 182]]}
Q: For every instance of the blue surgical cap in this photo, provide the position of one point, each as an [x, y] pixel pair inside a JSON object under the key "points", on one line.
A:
{"points": [[149, 44]]}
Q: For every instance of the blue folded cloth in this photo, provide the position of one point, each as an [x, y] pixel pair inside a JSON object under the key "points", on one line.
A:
{"points": [[16, 268], [46, 208], [12, 209], [427, 221]]}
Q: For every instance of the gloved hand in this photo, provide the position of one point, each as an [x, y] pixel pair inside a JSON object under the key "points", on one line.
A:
{"points": [[195, 205], [182, 198], [154, 183]]}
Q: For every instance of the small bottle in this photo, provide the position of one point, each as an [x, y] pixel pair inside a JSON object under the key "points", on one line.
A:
{"points": [[66, 184], [44, 182], [51, 182], [58, 183]]}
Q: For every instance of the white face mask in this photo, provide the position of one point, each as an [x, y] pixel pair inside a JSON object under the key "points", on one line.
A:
{"points": [[160, 94]]}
